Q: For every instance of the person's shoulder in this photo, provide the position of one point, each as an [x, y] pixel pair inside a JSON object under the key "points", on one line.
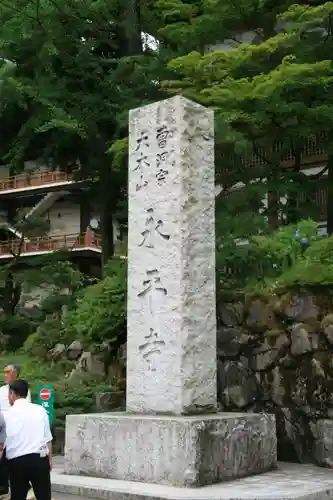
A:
{"points": [[38, 409]]}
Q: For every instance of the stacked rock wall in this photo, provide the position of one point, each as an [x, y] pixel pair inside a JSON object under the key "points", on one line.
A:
{"points": [[275, 353]]}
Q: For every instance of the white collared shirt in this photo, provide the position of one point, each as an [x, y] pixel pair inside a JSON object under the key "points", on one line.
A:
{"points": [[27, 429], [4, 402]]}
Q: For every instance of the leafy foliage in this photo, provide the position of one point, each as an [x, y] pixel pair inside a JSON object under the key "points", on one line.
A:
{"points": [[291, 257], [272, 96], [100, 313], [69, 76]]}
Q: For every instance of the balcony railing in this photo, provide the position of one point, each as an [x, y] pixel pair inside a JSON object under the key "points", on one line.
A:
{"points": [[312, 152], [24, 181], [51, 244]]}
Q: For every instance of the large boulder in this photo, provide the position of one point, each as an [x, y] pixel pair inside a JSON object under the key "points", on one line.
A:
{"points": [[272, 386], [237, 386], [230, 313], [57, 352], [260, 316], [301, 307], [230, 341], [303, 339], [327, 327], [272, 347], [110, 401], [74, 350], [322, 431], [90, 363]]}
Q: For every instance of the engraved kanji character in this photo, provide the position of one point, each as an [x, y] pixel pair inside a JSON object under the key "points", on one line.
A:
{"points": [[141, 184], [151, 347], [152, 226], [142, 160], [151, 284], [143, 140], [162, 134]]}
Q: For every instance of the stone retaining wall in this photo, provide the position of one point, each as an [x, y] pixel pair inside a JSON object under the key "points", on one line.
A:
{"points": [[276, 354]]}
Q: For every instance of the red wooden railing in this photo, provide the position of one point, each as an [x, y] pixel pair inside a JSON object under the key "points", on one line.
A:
{"points": [[53, 243], [22, 181]]}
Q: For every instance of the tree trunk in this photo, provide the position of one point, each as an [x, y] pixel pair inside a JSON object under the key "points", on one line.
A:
{"points": [[107, 231], [12, 294], [330, 194], [272, 208], [133, 27]]}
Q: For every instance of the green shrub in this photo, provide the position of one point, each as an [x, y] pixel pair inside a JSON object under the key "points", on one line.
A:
{"points": [[49, 333], [311, 269], [17, 329], [100, 313], [278, 260]]}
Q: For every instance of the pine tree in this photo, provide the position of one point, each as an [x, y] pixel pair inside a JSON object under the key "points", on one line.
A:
{"points": [[270, 96]]}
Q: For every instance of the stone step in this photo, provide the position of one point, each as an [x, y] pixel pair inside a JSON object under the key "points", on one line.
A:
{"points": [[288, 482]]}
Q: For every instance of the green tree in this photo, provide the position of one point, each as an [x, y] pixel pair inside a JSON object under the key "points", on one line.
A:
{"points": [[270, 96], [25, 228], [100, 313], [70, 73]]}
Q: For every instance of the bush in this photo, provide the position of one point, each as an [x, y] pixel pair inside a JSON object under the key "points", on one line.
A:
{"points": [[292, 256], [313, 268], [45, 338], [100, 313], [16, 329]]}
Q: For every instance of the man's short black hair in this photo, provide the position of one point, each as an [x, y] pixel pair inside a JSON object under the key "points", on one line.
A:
{"points": [[20, 388]]}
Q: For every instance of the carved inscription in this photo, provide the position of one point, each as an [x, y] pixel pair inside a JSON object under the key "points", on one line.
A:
{"points": [[142, 159], [162, 135], [151, 347], [152, 226]]}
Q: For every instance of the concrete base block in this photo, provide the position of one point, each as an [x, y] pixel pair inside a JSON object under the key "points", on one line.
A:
{"points": [[188, 451]]}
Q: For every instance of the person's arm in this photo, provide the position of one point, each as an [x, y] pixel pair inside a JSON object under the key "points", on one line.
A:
{"points": [[2, 432], [48, 437]]}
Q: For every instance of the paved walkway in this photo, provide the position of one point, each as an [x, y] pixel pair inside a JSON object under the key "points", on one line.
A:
{"points": [[58, 496], [290, 481]]}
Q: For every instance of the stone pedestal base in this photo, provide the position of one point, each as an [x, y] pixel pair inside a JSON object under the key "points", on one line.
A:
{"points": [[177, 451]]}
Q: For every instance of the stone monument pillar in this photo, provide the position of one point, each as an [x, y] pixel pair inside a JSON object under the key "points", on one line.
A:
{"points": [[171, 343], [171, 432]]}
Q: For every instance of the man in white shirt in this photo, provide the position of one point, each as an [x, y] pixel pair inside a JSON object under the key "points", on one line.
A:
{"points": [[4, 479], [28, 445], [11, 373]]}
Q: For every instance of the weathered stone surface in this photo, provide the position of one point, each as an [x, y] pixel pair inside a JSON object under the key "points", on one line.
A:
{"points": [[286, 367], [231, 313], [74, 350], [90, 363], [237, 386], [323, 441], [303, 339], [295, 441], [268, 352], [109, 401], [178, 451], [290, 481], [302, 308], [271, 386], [58, 352], [230, 341], [260, 316], [171, 341], [327, 327]]}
